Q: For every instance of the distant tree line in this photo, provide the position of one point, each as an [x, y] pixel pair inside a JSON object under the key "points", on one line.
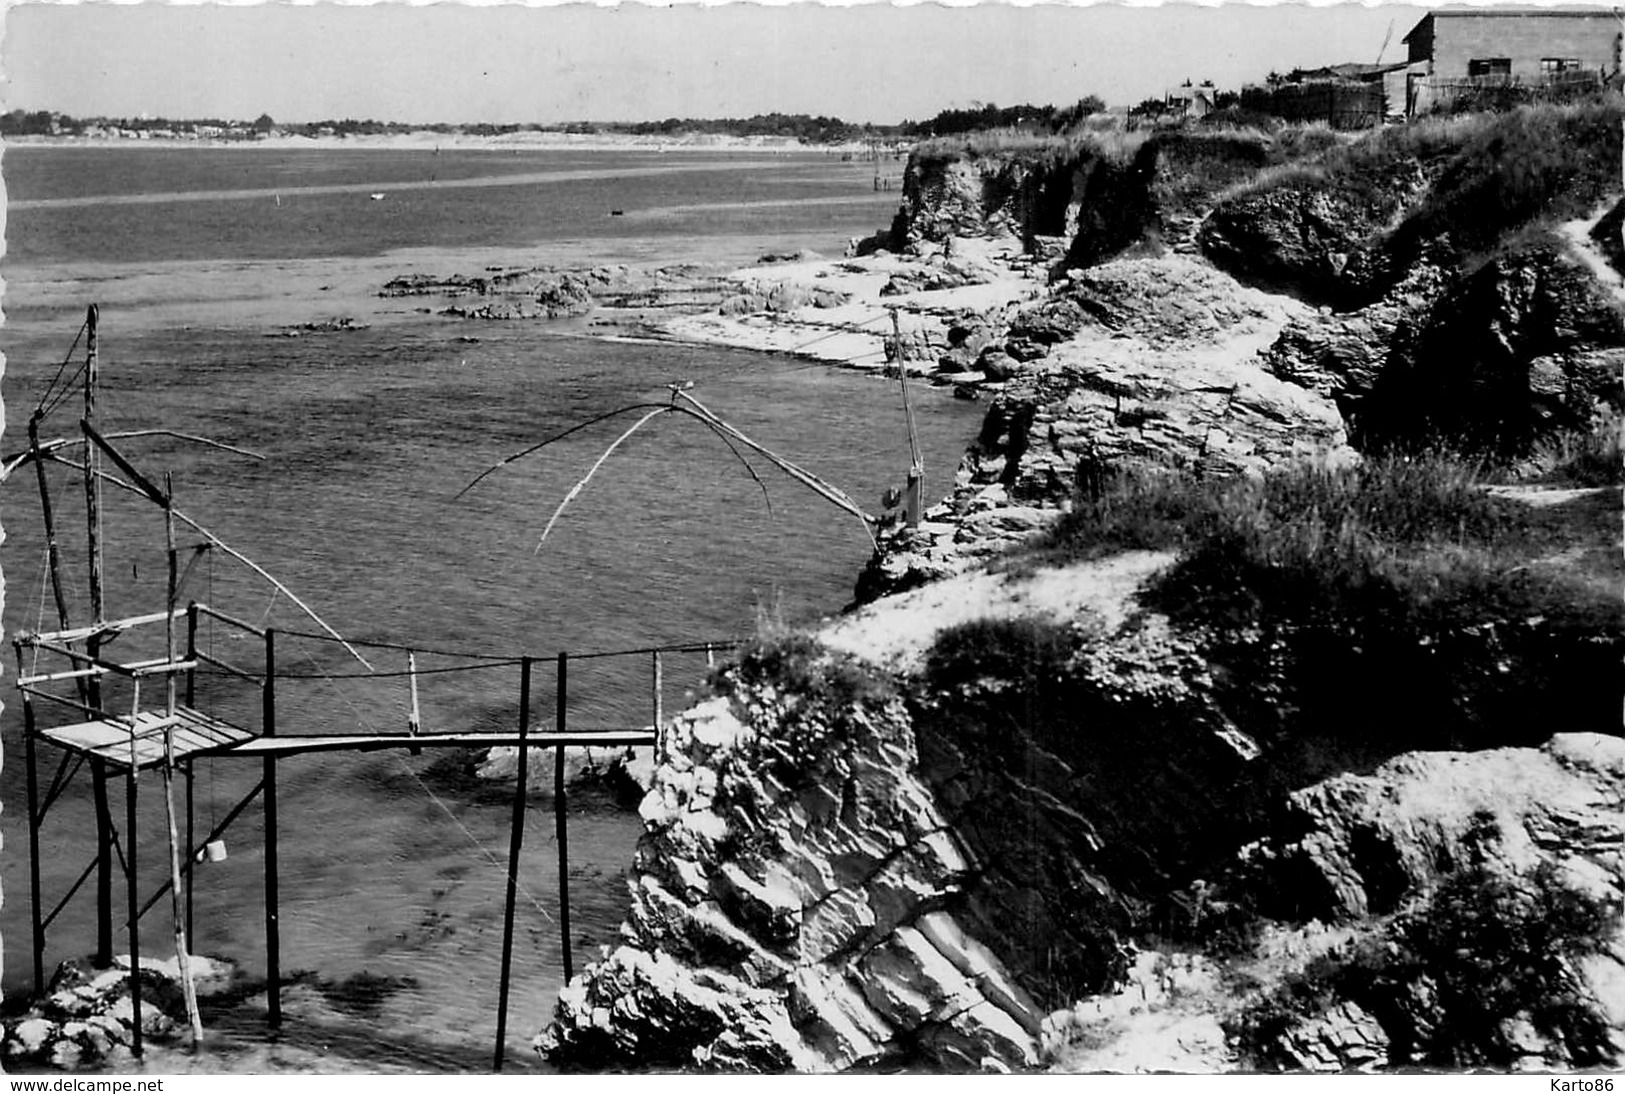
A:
{"points": [[803, 127], [1041, 119], [807, 128]]}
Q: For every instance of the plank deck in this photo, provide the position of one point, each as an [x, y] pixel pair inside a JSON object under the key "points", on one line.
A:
{"points": [[112, 739]]}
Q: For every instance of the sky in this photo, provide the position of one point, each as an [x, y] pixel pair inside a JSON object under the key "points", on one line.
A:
{"points": [[508, 63]]}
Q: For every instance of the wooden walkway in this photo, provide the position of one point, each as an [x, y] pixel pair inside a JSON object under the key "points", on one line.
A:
{"points": [[298, 745]]}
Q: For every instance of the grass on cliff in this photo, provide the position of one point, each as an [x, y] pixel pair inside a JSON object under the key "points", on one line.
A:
{"points": [[1405, 570], [1487, 175], [1027, 146], [1419, 526]]}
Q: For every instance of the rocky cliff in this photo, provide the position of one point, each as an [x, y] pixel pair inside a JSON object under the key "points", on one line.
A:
{"points": [[1045, 818], [793, 901]]}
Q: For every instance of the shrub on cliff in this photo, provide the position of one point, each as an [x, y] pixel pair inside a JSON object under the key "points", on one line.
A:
{"points": [[821, 695], [1457, 980]]}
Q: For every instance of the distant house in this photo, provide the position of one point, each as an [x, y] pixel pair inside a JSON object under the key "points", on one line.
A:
{"points": [[1346, 96], [1455, 47], [1196, 101]]}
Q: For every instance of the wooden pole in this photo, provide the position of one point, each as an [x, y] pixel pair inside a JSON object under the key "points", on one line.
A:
{"points": [[33, 844], [657, 687], [183, 959], [273, 942], [53, 551], [913, 494], [560, 812], [191, 796], [135, 916], [93, 486], [90, 695], [191, 842], [98, 612], [414, 720], [516, 839]]}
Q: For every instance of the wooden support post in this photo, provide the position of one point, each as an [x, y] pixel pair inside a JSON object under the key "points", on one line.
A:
{"points": [[191, 774], [183, 957], [560, 812], [53, 552], [912, 498], [104, 850], [516, 839], [414, 720], [273, 942], [191, 842], [915, 489], [93, 484], [130, 883], [90, 695], [33, 847], [191, 653], [98, 612], [657, 685]]}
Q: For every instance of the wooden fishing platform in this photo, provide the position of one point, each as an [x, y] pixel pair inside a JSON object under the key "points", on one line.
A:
{"points": [[164, 726], [177, 732]]}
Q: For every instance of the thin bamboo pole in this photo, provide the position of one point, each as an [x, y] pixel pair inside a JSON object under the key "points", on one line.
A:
{"points": [[239, 556]]}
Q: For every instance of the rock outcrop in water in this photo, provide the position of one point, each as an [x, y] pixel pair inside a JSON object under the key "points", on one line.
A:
{"points": [[85, 1019]]}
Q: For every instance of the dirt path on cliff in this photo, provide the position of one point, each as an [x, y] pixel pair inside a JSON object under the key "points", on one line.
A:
{"points": [[897, 631]]}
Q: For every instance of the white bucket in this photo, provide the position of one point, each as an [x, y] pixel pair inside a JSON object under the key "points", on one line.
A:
{"points": [[215, 849]]}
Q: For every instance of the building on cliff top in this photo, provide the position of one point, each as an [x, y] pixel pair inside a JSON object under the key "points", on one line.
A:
{"points": [[1453, 51]]}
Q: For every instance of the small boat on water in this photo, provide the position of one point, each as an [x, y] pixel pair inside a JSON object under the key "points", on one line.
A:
{"points": [[617, 212], [376, 197]]}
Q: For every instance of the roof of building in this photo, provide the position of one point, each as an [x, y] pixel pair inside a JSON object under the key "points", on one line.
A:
{"points": [[1514, 13]]}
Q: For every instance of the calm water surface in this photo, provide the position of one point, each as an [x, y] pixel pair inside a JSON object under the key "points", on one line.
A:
{"points": [[392, 882]]}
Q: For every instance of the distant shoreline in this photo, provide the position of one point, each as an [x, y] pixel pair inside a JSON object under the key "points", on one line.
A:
{"points": [[428, 141]]}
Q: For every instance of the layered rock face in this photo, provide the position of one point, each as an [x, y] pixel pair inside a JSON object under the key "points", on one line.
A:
{"points": [[1484, 891], [1528, 344], [986, 196], [1138, 362], [1310, 240], [1362, 844], [793, 906]]}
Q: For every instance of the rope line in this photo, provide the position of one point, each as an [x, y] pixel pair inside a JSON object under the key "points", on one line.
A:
{"points": [[489, 856], [496, 659], [39, 409], [370, 675]]}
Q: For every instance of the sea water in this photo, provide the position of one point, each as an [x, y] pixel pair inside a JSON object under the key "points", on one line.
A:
{"points": [[392, 866]]}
